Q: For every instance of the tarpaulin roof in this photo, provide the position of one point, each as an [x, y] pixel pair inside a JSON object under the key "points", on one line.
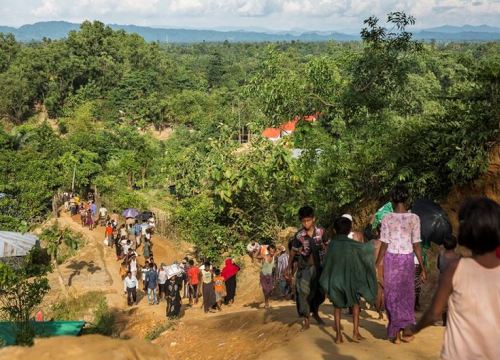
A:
{"points": [[16, 244]]}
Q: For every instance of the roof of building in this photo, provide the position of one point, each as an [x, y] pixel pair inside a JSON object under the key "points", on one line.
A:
{"points": [[287, 127], [16, 244], [271, 133]]}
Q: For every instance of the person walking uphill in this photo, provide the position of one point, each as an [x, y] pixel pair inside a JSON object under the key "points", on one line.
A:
{"points": [[130, 284], [173, 288], [152, 285], [310, 244], [400, 238], [229, 273], [208, 287], [266, 275], [194, 276], [470, 287], [348, 274]]}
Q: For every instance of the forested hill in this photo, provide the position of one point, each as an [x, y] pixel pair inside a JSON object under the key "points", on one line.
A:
{"points": [[60, 29], [389, 109]]}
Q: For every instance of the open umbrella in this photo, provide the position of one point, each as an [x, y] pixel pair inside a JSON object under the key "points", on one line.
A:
{"points": [[130, 213], [144, 216], [434, 223]]}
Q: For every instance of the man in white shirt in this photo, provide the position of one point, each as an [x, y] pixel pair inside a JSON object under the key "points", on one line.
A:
{"points": [[162, 282], [130, 288], [103, 213], [133, 265]]}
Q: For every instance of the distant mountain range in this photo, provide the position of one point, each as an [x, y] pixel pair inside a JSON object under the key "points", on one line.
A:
{"points": [[60, 29]]}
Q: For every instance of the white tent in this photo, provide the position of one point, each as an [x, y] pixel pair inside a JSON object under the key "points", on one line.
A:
{"points": [[16, 244]]}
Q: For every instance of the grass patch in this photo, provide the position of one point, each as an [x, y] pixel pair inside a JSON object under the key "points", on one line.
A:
{"points": [[92, 304], [104, 320], [77, 308], [158, 329]]}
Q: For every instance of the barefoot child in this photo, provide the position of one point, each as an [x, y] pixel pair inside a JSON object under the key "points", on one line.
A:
{"points": [[348, 274], [309, 244], [220, 289], [266, 274]]}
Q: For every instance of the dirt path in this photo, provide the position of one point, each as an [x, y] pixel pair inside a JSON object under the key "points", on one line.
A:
{"points": [[318, 342], [95, 268], [242, 331]]}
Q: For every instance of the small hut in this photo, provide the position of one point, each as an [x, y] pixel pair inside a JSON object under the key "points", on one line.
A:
{"points": [[14, 246]]}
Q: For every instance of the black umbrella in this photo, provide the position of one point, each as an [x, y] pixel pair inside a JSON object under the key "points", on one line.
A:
{"points": [[144, 216], [434, 223]]}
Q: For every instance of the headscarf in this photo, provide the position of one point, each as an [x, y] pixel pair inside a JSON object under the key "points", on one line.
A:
{"points": [[230, 269]]}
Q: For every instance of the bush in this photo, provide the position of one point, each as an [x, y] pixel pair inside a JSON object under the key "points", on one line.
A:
{"points": [[196, 218], [104, 319], [76, 308], [19, 297], [119, 199], [61, 243]]}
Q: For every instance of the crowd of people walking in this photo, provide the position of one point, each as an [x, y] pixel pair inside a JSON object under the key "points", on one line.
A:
{"points": [[171, 283], [382, 266], [386, 269]]}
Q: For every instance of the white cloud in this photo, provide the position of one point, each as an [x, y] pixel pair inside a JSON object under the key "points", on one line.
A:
{"points": [[47, 8], [146, 6], [257, 7], [315, 14], [188, 6]]}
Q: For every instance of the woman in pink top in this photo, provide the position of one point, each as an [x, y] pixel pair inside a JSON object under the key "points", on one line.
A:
{"points": [[400, 238], [471, 287]]}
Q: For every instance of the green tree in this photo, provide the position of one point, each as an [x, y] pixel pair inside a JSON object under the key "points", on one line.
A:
{"points": [[19, 298], [83, 163], [8, 50]]}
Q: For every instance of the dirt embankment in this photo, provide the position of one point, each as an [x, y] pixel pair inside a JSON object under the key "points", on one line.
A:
{"points": [[486, 185], [89, 347]]}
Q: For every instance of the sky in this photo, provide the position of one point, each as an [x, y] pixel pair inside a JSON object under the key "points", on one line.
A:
{"points": [[323, 15]]}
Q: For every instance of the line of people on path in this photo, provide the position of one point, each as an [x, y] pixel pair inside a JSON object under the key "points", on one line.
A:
{"points": [[216, 287], [387, 271], [171, 283], [90, 215]]}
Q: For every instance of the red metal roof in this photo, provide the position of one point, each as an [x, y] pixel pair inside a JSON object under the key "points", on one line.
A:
{"points": [[289, 127], [271, 133]]}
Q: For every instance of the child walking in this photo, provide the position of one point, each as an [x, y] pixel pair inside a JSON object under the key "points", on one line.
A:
{"points": [[220, 289], [348, 275], [266, 274]]}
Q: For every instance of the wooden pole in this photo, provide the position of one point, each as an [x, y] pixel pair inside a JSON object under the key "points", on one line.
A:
{"points": [[73, 182]]}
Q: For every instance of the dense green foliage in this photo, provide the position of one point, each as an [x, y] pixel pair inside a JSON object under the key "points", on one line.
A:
{"points": [[389, 109], [60, 243]]}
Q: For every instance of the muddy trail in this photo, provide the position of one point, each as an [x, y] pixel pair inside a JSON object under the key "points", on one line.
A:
{"points": [[244, 330]]}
